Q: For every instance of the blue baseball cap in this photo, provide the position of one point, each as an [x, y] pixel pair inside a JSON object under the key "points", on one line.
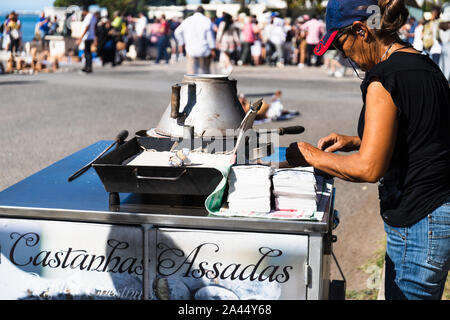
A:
{"points": [[340, 14]]}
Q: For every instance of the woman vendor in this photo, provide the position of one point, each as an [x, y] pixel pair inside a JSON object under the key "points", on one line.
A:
{"points": [[403, 142]]}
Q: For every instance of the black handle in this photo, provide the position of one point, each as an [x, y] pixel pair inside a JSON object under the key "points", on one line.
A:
{"points": [[80, 172], [175, 102], [233, 83], [291, 130], [120, 138]]}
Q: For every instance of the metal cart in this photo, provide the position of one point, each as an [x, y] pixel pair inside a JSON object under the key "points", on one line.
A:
{"points": [[60, 239]]}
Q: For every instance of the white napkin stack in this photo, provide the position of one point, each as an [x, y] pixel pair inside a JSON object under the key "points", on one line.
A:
{"points": [[249, 188], [295, 189]]}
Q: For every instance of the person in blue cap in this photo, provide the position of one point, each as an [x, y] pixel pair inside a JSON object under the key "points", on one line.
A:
{"points": [[403, 142]]}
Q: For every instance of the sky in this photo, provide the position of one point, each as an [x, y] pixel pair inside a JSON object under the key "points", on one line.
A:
{"points": [[35, 5]]}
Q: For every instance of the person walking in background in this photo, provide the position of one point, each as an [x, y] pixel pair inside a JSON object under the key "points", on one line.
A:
{"points": [[130, 37], [444, 35], [256, 48], [268, 47], [196, 34], [295, 42], [173, 43], [333, 65], [6, 37], [19, 30], [412, 28], [155, 32], [301, 41], [106, 42], [314, 29], [277, 38], [227, 42], [418, 35], [404, 31], [163, 40], [2, 30], [288, 47], [215, 26], [43, 24], [248, 38], [13, 26], [87, 37], [117, 21], [54, 25], [141, 35], [431, 44]]}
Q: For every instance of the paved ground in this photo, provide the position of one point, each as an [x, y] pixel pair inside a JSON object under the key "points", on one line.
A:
{"points": [[46, 117]]}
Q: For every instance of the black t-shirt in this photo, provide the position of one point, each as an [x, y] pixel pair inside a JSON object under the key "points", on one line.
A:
{"points": [[418, 178]]}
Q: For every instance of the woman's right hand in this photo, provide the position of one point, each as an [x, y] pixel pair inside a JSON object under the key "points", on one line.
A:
{"points": [[338, 142]]}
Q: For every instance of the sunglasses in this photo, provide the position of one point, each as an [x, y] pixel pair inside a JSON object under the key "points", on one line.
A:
{"points": [[338, 45]]}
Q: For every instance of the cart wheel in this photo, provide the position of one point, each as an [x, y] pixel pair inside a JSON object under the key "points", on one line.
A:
{"points": [[114, 199]]}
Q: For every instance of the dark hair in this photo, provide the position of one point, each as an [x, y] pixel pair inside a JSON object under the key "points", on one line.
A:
{"points": [[228, 19], [200, 9], [394, 15], [436, 9]]}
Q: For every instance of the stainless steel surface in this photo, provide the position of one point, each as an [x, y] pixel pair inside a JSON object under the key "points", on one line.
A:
{"points": [[48, 195], [207, 102], [132, 259], [168, 220], [320, 273], [263, 266], [145, 261]]}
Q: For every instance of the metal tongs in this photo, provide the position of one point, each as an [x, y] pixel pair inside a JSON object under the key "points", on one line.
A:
{"points": [[246, 124]]}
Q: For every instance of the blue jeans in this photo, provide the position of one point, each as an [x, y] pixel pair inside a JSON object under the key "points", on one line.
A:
{"points": [[418, 257], [163, 43]]}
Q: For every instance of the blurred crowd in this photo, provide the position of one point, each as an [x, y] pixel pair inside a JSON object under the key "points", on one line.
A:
{"points": [[11, 41], [243, 40], [10, 32], [431, 36], [248, 40], [228, 41]]}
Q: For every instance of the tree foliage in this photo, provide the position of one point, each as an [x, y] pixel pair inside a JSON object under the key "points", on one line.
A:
{"points": [[66, 3], [123, 6]]}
